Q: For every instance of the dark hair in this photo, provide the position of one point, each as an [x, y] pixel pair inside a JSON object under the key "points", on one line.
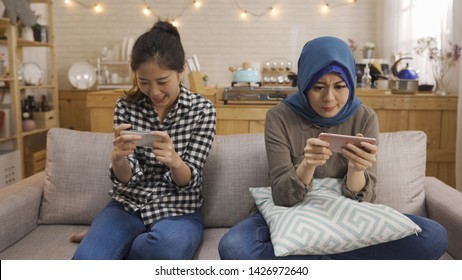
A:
{"points": [[161, 43]]}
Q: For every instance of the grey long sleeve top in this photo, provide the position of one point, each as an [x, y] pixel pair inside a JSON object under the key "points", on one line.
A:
{"points": [[285, 139]]}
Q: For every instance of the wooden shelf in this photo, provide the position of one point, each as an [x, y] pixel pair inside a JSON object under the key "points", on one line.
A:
{"points": [[27, 43], [18, 49]]}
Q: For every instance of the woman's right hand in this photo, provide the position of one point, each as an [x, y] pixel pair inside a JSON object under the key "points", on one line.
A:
{"points": [[123, 145], [316, 152]]}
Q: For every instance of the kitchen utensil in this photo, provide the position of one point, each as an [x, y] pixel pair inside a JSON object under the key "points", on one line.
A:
{"points": [[406, 80], [400, 86], [406, 73], [245, 74], [196, 63]]}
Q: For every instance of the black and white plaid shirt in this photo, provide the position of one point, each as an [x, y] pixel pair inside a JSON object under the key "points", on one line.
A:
{"points": [[191, 125]]}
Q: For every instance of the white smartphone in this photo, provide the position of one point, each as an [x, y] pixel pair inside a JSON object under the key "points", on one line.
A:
{"points": [[338, 141], [146, 137]]}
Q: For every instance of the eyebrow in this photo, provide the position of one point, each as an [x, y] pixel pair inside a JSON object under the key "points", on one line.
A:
{"points": [[324, 83], [158, 79]]}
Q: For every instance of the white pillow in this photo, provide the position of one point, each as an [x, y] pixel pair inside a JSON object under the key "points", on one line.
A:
{"points": [[326, 222]]}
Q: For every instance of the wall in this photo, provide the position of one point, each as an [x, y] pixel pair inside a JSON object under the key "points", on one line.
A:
{"points": [[215, 32]]}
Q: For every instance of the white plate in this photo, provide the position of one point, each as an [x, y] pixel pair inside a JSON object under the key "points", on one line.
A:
{"points": [[116, 52], [82, 75], [32, 73], [130, 44], [123, 52]]}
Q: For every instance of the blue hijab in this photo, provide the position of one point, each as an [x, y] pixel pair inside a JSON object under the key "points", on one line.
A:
{"points": [[319, 57]]}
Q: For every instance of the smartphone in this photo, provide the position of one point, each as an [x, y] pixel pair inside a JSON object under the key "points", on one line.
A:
{"points": [[146, 137], [338, 141]]}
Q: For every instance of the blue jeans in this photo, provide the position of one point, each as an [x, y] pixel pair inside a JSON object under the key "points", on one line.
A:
{"points": [[118, 234], [250, 239]]}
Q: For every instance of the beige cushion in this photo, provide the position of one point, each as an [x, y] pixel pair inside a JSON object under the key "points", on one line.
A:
{"points": [[235, 163], [76, 177], [401, 171]]}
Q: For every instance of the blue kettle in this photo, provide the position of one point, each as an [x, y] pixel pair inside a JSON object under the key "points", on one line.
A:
{"points": [[406, 73]]}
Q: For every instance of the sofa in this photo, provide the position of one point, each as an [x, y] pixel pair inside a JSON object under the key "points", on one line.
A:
{"points": [[39, 213]]}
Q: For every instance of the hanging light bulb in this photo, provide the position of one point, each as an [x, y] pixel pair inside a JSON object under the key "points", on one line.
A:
{"points": [[325, 8], [244, 14], [197, 4], [147, 11], [175, 23], [98, 8], [273, 11], [67, 2]]}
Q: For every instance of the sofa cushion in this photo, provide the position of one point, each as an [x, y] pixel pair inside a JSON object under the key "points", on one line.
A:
{"points": [[401, 161], [326, 222], [76, 176], [235, 163]]}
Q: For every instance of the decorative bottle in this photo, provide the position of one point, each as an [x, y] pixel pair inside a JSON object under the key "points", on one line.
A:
{"points": [[366, 79], [45, 106]]}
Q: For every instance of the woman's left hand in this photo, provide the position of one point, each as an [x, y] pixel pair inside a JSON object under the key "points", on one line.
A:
{"points": [[165, 152], [360, 158]]}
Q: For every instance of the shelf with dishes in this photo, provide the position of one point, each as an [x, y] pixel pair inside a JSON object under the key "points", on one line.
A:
{"points": [[29, 71], [113, 74]]}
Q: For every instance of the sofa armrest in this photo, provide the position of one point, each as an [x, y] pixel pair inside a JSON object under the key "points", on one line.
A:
{"points": [[444, 205], [19, 209]]}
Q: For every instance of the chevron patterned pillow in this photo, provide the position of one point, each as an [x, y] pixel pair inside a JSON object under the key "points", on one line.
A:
{"points": [[326, 222]]}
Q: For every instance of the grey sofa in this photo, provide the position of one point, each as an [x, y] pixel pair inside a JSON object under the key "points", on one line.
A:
{"points": [[39, 213]]}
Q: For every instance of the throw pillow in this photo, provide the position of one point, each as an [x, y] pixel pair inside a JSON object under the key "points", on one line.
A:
{"points": [[401, 162], [326, 222], [77, 183]]}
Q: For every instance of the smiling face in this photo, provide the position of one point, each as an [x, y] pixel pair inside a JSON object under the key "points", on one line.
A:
{"points": [[162, 86], [328, 95]]}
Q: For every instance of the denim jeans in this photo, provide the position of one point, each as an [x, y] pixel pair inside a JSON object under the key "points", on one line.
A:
{"points": [[250, 239], [118, 234]]}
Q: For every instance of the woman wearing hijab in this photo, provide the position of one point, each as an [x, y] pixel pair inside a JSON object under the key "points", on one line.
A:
{"points": [[325, 102]]}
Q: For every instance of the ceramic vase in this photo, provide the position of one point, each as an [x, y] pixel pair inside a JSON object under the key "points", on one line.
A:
{"points": [[28, 125]]}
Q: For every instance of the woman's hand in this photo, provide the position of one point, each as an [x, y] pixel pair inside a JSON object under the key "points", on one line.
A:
{"points": [[165, 152], [316, 152], [360, 158], [123, 145]]}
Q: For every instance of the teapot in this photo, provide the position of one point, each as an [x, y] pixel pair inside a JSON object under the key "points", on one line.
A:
{"points": [[245, 74], [406, 73]]}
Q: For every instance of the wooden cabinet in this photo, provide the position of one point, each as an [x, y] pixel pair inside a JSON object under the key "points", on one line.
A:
{"points": [[435, 115], [90, 110], [31, 72]]}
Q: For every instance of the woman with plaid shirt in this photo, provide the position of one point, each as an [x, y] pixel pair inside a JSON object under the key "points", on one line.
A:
{"points": [[154, 212]]}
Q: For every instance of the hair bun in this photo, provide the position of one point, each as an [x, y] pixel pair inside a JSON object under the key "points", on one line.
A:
{"points": [[166, 27]]}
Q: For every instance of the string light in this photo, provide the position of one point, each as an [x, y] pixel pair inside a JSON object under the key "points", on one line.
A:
{"points": [[97, 7], [245, 12], [197, 4], [327, 6], [148, 10]]}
